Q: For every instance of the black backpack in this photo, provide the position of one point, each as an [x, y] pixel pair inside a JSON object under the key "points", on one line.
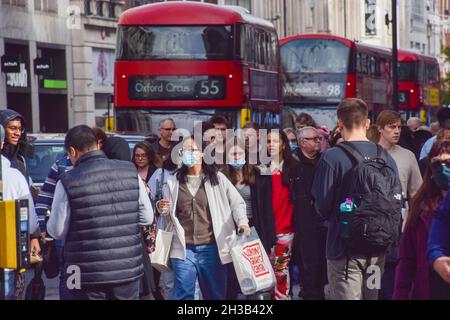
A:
{"points": [[376, 191]]}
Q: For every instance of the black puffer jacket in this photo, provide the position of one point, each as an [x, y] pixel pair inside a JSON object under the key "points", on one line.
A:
{"points": [[104, 237]]}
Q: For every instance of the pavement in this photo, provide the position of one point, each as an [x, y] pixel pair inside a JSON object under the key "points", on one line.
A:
{"points": [[52, 287]]}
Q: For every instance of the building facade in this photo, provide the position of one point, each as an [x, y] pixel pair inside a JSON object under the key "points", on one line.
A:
{"points": [[64, 57]]}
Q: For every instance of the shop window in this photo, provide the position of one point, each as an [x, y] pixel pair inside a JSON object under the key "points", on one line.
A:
{"points": [[18, 3], [46, 5]]}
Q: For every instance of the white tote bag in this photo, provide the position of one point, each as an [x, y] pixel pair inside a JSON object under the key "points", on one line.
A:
{"points": [[251, 263], [160, 257]]}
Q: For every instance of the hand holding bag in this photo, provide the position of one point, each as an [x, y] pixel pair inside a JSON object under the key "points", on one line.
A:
{"points": [[160, 257], [251, 263]]}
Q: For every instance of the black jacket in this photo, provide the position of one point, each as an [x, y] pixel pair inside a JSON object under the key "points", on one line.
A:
{"points": [[104, 237], [16, 154], [263, 216], [308, 220]]}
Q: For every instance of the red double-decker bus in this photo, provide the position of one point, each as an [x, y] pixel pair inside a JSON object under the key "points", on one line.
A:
{"points": [[189, 61], [320, 70], [419, 85]]}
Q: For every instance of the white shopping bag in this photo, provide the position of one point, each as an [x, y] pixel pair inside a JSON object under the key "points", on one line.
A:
{"points": [[251, 263]]}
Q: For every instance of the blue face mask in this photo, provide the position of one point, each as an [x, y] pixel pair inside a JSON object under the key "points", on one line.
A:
{"points": [[441, 177], [188, 159], [293, 146], [237, 164]]}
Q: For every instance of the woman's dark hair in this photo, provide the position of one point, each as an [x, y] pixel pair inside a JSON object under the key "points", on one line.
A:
{"points": [[209, 170], [420, 137], [154, 159], [289, 162], [100, 134], [248, 171], [305, 120], [429, 194], [406, 139]]}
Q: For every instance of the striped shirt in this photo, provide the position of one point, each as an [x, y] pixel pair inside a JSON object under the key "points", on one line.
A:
{"points": [[45, 198]]}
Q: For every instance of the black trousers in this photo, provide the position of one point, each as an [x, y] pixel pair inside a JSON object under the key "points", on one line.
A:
{"points": [[312, 246], [123, 291], [439, 289]]}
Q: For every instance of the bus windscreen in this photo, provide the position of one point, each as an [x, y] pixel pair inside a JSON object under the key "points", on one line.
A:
{"points": [[315, 68], [175, 43]]}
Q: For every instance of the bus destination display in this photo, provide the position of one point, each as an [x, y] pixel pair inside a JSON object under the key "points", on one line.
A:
{"points": [[177, 88]]}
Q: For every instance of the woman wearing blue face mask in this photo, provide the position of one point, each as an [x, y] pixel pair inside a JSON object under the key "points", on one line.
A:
{"points": [[293, 142], [439, 240], [243, 176], [412, 274], [204, 207]]}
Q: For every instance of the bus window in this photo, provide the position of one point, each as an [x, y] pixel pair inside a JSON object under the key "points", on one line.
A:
{"points": [[315, 56], [407, 71], [175, 43]]}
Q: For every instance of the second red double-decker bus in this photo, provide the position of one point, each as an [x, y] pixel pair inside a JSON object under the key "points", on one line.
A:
{"points": [[319, 70], [189, 61], [419, 84]]}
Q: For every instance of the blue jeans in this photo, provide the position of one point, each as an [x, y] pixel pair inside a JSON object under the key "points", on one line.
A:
{"points": [[201, 262], [64, 292], [9, 285]]}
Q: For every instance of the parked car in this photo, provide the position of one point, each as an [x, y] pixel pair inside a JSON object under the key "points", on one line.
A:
{"points": [[49, 147]]}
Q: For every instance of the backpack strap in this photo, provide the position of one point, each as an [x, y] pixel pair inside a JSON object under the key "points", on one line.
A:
{"points": [[355, 155]]}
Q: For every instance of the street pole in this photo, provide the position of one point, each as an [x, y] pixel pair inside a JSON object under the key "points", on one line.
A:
{"points": [[285, 18], [394, 56]]}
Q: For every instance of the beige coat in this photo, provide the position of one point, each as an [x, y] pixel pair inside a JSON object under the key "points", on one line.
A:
{"points": [[227, 207]]}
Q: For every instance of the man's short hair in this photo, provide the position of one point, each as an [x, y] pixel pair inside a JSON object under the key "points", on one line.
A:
{"points": [[353, 113], [413, 120], [164, 120], [301, 133], [219, 120], [388, 117], [442, 115], [80, 138]]}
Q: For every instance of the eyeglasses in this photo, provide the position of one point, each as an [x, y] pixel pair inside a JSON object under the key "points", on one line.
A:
{"points": [[293, 141], [316, 139], [18, 129], [169, 129], [189, 150], [436, 163], [140, 156]]}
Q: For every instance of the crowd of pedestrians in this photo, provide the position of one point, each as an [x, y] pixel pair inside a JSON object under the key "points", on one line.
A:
{"points": [[362, 208]]}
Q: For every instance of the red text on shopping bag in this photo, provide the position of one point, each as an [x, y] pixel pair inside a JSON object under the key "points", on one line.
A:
{"points": [[253, 254]]}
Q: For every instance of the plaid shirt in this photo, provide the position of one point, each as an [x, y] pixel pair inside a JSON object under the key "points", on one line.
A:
{"points": [[45, 198]]}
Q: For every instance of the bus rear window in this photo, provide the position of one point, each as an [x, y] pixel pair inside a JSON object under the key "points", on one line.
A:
{"points": [[175, 43], [407, 71], [315, 56]]}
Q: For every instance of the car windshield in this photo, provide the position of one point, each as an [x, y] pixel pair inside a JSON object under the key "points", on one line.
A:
{"points": [[44, 156]]}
